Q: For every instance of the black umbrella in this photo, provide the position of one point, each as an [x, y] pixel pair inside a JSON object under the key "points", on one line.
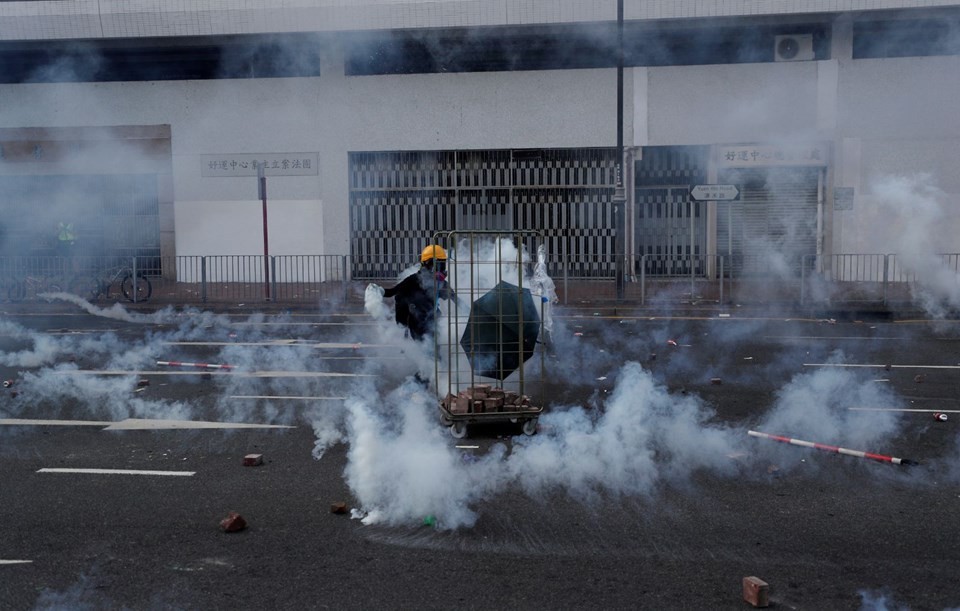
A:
{"points": [[501, 331]]}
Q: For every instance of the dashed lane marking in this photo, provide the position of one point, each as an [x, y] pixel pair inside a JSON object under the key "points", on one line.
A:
{"points": [[116, 472], [139, 424], [15, 561], [287, 342], [282, 397], [32, 422], [897, 409], [882, 366], [235, 373]]}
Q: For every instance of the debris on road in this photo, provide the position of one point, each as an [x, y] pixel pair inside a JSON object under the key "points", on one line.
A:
{"points": [[143, 382], [7, 383], [716, 381], [756, 591], [234, 522], [339, 508], [671, 342], [253, 460], [848, 452], [430, 520], [940, 417], [919, 378]]}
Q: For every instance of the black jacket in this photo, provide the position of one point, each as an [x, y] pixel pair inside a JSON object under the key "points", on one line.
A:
{"points": [[416, 300]]}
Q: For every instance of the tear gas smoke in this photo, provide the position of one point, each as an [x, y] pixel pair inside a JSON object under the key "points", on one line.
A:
{"points": [[911, 217], [879, 600]]}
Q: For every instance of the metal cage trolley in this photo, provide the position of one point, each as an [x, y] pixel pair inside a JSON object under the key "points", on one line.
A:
{"points": [[486, 340]]}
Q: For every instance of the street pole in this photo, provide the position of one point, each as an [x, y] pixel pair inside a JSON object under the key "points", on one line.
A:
{"points": [[262, 188], [619, 197]]}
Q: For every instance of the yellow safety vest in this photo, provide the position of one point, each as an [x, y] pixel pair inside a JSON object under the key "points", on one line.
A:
{"points": [[66, 232]]}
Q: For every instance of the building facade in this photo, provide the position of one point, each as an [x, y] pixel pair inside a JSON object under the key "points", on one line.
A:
{"points": [[379, 124]]}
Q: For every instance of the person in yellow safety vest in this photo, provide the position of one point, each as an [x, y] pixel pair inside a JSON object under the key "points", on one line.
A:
{"points": [[65, 239]]}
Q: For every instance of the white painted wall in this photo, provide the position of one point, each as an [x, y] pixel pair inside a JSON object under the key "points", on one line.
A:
{"points": [[900, 127], [883, 116]]}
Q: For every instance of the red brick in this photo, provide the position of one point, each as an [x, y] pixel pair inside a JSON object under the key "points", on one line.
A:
{"points": [[234, 522], [253, 460], [492, 405], [756, 591], [461, 405], [338, 508]]}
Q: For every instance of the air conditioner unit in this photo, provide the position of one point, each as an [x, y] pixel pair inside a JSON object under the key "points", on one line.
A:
{"points": [[793, 47]]}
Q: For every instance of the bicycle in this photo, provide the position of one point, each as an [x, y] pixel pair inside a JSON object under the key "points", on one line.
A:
{"points": [[132, 288], [20, 287]]}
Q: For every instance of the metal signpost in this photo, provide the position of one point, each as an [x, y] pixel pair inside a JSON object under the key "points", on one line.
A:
{"points": [[713, 193]]}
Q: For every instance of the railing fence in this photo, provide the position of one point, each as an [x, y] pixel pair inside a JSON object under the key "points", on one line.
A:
{"points": [[652, 279]]}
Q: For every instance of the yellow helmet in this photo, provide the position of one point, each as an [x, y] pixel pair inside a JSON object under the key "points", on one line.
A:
{"points": [[433, 251]]}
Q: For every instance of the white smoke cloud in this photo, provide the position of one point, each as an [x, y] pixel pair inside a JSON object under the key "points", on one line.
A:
{"points": [[912, 218]]}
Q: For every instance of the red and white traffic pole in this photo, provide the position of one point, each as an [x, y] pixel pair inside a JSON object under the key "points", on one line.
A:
{"points": [[822, 446]]}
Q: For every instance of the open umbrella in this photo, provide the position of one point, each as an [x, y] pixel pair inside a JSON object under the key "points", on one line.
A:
{"points": [[501, 331]]}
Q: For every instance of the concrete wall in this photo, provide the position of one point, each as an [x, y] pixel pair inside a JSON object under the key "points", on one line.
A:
{"points": [[883, 118], [78, 19]]}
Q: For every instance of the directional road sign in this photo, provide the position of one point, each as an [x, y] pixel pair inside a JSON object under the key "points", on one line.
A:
{"points": [[704, 193]]}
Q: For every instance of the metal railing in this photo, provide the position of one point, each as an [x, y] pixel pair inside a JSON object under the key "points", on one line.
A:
{"points": [[651, 279]]}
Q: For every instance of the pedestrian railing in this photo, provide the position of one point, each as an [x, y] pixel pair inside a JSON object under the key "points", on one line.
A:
{"points": [[649, 279]]}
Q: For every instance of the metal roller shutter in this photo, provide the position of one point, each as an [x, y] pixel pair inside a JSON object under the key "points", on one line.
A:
{"points": [[774, 225]]}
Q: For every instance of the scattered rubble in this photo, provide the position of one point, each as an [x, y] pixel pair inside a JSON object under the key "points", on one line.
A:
{"points": [[756, 591], [483, 398], [234, 522]]}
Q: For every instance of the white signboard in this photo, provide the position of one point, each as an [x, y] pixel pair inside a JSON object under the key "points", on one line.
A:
{"points": [[710, 193], [843, 198], [245, 164], [766, 155]]}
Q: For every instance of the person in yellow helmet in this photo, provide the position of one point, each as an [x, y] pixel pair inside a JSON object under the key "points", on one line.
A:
{"points": [[417, 295]]}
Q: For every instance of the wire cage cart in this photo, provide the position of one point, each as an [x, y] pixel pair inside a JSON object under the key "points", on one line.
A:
{"points": [[487, 339]]}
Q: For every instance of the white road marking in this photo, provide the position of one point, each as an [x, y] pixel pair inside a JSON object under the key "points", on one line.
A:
{"points": [[469, 447], [29, 422], [138, 424], [827, 337], [897, 409], [284, 342], [241, 374], [286, 397], [116, 472], [135, 424], [882, 366], [15, 561]]}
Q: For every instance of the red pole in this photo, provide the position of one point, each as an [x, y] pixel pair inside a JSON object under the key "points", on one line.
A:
{"points": [[838, 450], [266, 246]]}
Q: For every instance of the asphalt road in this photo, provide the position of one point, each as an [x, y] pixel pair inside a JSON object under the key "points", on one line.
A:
{"points": [[642, 488]]}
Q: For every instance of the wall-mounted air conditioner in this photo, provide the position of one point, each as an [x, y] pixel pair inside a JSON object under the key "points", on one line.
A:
{"points": [[793, 47]]}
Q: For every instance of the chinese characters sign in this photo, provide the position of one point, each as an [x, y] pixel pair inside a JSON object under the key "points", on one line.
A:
{"points": [[245, 164], [772, 155]]}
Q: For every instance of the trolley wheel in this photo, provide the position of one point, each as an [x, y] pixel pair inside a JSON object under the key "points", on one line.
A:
{"points": [[530, 426], [140, 284], [459, 429], [444, 420]]}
